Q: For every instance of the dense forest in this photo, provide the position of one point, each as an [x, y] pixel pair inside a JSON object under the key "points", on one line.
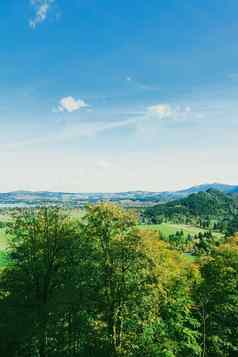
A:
{"points": [[102, 286], [212, 209]]}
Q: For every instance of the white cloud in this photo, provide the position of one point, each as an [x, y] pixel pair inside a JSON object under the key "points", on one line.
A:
{"points": [[42, 8], [70, 104], [161, 110], [166, 111]]}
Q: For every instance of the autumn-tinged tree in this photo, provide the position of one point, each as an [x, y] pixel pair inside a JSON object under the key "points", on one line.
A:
{"points": [[172, 328]]}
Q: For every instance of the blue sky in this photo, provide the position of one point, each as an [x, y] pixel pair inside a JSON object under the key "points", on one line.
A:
{"points": [[118, 95]]}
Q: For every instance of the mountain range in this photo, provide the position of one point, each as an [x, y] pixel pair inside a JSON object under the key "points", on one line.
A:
{"points": [[28, 198]]}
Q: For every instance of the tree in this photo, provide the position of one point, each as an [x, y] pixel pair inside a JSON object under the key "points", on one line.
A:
{"points": [[104, 287], [217, 300], [42, 285], [232, 226], [172, 328], [125, 273]]}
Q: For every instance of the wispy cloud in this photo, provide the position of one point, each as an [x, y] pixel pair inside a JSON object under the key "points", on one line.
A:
{"points": [[70, 104], [41, 9], [70, 131]]}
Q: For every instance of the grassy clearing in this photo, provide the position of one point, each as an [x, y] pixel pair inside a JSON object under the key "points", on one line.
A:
{"points": [[168, 229]]}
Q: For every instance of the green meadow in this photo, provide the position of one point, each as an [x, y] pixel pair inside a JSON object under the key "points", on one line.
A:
{"points": [[167, 229]]}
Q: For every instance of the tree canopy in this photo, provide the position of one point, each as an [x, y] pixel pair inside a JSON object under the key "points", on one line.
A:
{"points": [[102, 286]]}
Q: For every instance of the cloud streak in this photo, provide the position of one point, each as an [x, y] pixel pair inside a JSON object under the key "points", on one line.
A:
{"points": [[41, 8]]}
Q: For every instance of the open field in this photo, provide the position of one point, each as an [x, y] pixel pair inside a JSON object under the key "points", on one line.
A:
{"points": [[168, 229]]}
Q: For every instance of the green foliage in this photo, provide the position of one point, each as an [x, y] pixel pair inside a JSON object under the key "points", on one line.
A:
{"points": [[217, 300], [102, 286], [172, 330], [125, 275], [203, 208], [205, 243], [34, 286], [232, 226], [187, 238], [3, 259], [78, 289], [3, 239]]}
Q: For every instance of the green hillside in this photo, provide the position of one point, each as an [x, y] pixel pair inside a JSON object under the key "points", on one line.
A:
{"points": [[209, 210]]}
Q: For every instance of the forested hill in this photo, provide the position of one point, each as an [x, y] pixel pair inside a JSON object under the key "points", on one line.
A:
{"points": [[202, 205]]}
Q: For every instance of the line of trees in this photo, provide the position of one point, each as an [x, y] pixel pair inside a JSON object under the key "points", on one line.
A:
{"points": [[103, 287]]}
